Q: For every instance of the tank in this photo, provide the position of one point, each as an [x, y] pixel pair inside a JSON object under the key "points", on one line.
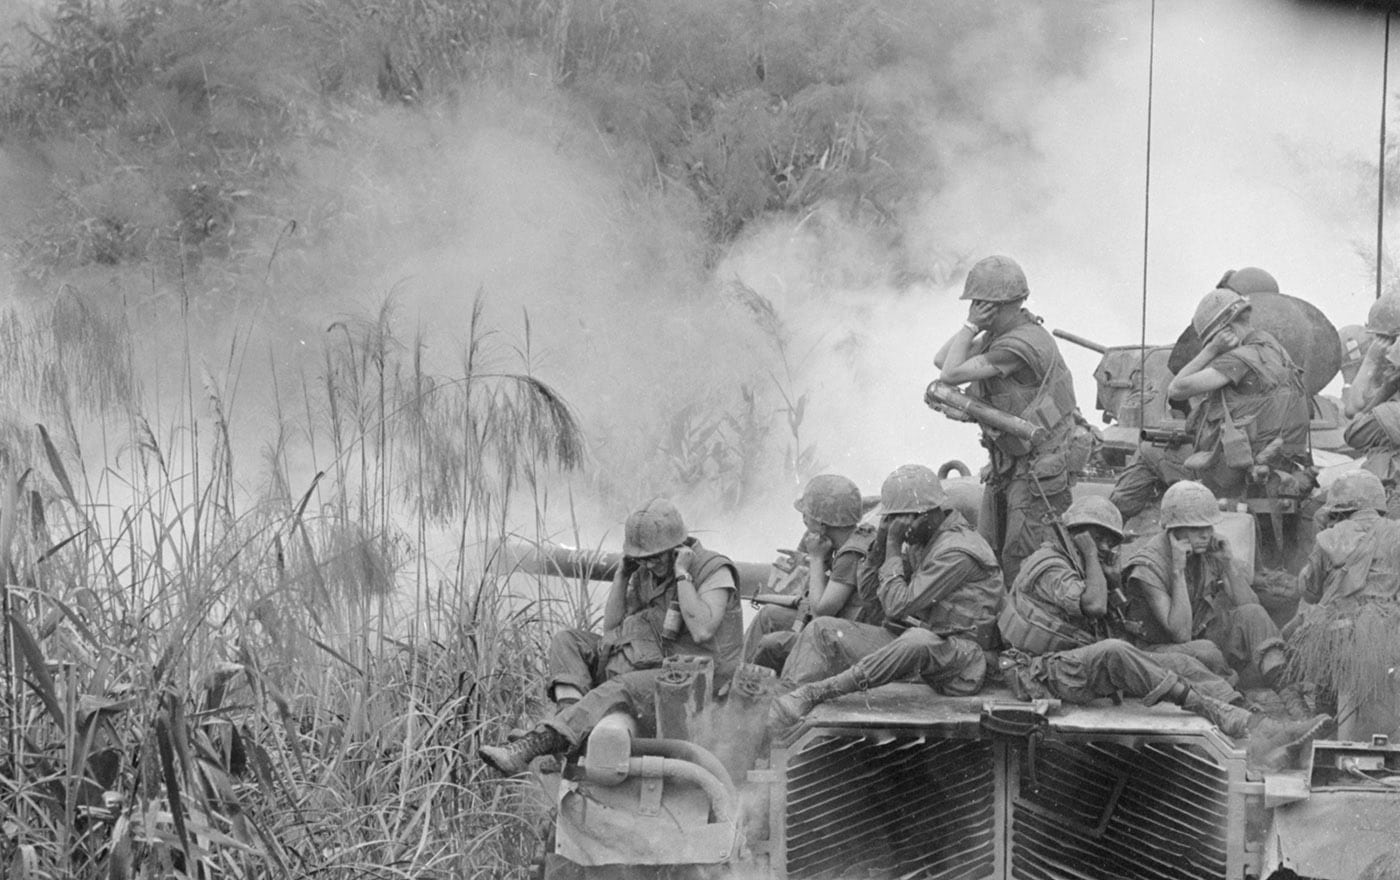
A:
{"points": [[899, 781]]}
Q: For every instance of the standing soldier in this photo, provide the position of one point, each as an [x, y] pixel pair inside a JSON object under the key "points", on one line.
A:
{"points": [[1254, 410], [1371, 399], [1344, 638], [1014, 365], [1191, 596], [940, 590], [670, 596], [835, 544]]}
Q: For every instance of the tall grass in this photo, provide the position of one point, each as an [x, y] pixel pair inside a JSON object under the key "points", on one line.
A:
{"points": [[202, 680]]}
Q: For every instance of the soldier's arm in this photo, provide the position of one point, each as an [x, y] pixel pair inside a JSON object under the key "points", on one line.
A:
{"points": [[1369, 387], [938, 575], [703, 605], [1237, 577], [616, 607], [1312, 577], [1168, 603], [1094, 600]]}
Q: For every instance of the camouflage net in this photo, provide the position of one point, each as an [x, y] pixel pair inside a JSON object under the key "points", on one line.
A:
{"points": [[1349, 647]]}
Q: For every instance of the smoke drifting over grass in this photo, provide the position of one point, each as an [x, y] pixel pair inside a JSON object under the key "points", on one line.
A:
{"points": [[1021, 129]]}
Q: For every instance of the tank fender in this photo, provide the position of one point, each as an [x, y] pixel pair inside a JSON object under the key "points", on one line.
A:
{"points": [[1333, 834]]}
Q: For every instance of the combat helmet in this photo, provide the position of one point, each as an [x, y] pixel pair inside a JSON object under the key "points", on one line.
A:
{"points": [[830, 500], [1356, 490], [1189, 503], [912, 488], [653, 528], [1384, 317], [1250, 279], [1094, 510], [996, 279], [1217, 309]]}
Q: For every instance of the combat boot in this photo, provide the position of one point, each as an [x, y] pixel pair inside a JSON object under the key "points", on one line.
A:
{"points": [[1300, 699], [1233, 721], [515, 756], [1271, 739], [791, 708]]}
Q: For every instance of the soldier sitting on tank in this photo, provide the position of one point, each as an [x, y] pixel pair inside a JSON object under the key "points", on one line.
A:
{"points": [[670, 596], [1345, 638], [1068, 596], [1250, 406], [1014, 365], [1372, 400], [835, 545], [1190, 595], [940, 589]]}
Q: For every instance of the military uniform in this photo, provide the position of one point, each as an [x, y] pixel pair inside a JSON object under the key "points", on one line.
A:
{"points": [[951, 586], [1027, 483], [771, 635], [1075, 657], [1346, 637], [1376, 433], [1225, 637], [1264, 399], [587, 660]]}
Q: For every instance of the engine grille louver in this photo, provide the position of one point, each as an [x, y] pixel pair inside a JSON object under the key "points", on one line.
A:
{"points": [[873, 804], [1158, 811], [890, 806]]}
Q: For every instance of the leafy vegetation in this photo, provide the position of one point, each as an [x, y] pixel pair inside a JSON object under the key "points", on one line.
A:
{"points": [[222, 669]]}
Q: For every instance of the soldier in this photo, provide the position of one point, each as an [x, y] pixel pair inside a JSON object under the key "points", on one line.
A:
{"points": [[1191, 596], [670, 596], [1068, 597], [940, 590], [1255, 410], [1254, 393], [1344, 636], [1014, 365], [835, 544], [1371, 400]]}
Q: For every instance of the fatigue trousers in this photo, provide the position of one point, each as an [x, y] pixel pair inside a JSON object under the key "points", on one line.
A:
{"points": [[576, 658], [1103, 669], [1148, 474], [770, 638], [828, 645], [631, 692], [1014, 518], [1243, 640]]}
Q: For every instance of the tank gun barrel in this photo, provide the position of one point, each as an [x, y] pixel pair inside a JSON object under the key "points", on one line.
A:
{"points": [[1080, 340], [547, 558]]}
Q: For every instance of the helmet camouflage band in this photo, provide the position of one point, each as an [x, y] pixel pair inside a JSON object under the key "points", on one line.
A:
{"points": [[653, 528], [830, 500], [1189, 503], [996, 279], [1094, 510], [912, 488]]}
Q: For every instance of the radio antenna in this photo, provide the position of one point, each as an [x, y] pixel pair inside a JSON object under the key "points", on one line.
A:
{"points": [[1380, 165], [1146, 219]]}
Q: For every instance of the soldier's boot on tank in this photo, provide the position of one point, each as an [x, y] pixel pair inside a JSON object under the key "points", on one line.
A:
{"points": [[1233, 721], [1299, 698], [790, 708], [1271, 740], [515, 756]]}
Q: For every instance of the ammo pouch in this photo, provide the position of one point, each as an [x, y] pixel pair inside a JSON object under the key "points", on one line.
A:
{"points": [[1029, 628], [1234, 442], [636, 644]]}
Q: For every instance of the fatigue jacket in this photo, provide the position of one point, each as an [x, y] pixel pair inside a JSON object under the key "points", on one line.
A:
{"points": [[1041, 393], [952, 585], [639, 639], [1149, 564], [1043, 612], [1266, 399], [1355, 560]]}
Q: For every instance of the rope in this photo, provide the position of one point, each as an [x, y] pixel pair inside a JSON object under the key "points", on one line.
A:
{"points": [[1146, 221], [1380, 176]]}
